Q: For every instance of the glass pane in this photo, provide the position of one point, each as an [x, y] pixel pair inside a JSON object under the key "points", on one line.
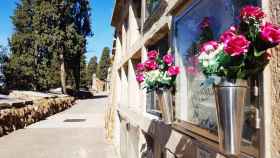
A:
{"points": [[250, 134], [200, 101], [152, 105], [196, 104], [151, 6]]}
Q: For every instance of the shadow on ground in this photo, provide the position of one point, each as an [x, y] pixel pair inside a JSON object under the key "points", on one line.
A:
{"points": [[99, 96]]}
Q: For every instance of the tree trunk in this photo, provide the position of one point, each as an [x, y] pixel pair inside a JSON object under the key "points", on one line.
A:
{"points": [[77, 74], [62, 73]]}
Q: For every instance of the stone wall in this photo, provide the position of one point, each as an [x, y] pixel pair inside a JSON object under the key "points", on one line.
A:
{"points": [[274, 6], [15, 118]]}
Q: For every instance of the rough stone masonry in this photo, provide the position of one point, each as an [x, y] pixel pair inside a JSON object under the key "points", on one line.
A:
{"points": [[17, 117], [275, 71]]}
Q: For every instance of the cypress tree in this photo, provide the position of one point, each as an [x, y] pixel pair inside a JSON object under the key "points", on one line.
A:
{"points": [[91, 69], [71, 22], [83, 72], [81, 16], [104, 64]]}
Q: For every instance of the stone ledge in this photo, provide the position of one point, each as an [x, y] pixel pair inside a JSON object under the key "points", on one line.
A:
{"points": [[18, 117], [8, 103], [5, 106], [32, 95], [176, 140]]}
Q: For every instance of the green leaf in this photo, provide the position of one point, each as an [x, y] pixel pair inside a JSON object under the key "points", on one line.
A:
{"points": [[258, 53], [241, 74]]}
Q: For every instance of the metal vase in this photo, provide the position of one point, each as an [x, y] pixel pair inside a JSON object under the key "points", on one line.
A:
{"points": [[165, 104], [230, 102]]}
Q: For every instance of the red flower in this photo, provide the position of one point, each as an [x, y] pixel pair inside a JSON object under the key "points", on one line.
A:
{"points": [[227, 35], [151, 64], [140, 67], [208, 46], [168, 59], [173, 71], [270, 33], [140, 78], [237, 45], [153, 54], [250, 11]]}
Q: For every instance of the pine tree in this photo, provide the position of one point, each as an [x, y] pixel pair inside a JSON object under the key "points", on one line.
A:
{"points": [[3, 61], [3, 54], [104, 64], [50, 38], [20, 70]]}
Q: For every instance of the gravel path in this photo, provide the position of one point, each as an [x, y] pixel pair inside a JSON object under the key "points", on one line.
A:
{"points": [[75, 133]]}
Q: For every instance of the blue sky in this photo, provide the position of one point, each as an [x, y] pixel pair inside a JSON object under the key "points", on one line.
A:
{"points": [[101, 19]]}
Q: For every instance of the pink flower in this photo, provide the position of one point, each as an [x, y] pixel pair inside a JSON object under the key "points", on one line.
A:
{"points": [[250, 11], [209, 46], [205, 23], [140, 67], [153, 54], [140, 78], [192, 70], [270, 33], [237, 45], [193, 60], [151, 64], [227, 35], [234, 28], [173, 71], [168, 59]]}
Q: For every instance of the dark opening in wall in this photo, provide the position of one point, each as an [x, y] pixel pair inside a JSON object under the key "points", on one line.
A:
{"points": [[136, 59], [136, 6], [162, 46]]}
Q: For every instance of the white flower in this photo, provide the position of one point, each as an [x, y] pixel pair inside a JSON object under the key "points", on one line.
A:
{"points": [[205, 63], [208, 58], [153, 76]]}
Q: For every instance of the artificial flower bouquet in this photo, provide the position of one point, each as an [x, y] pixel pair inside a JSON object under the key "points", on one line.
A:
{"points": [[241, 51], [157, 73]]}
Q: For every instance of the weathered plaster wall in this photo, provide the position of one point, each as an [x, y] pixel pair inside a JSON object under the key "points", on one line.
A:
{"points": [[274, 7]]}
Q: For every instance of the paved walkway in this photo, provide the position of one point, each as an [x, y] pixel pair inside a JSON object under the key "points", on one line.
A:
{"points": [[75, 133]]}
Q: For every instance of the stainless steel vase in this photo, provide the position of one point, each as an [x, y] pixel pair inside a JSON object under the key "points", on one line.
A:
{"points": [[165, 104], [230, 102]]}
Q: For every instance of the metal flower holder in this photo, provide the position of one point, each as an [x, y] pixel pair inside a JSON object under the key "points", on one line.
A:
{"points": [[165, 104], [230, 102]]}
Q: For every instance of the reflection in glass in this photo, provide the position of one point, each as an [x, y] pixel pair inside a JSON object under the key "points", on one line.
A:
{"points": [[151, 6], [195, 103], [190, 34]]}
